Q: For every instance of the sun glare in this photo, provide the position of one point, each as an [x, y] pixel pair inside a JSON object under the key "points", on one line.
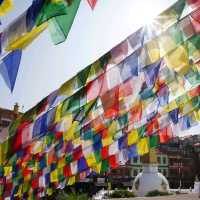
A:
{"points": [[146, 11]]}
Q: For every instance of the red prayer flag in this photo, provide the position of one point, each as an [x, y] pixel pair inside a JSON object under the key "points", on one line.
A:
{"points": [[136, 113], [92, 3], [35, 183], [77, 153], [194, 92], [67, 171], [165, 134], [113, 162], [110, 101], [152, 126], [17, 141], [104, 152]]}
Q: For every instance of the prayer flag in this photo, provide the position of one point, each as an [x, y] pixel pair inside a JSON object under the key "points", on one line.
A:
{"points": [[59, 26], [5, 6], [9, 68], [92, 3]]}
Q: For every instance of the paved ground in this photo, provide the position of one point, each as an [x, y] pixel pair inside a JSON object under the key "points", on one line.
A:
{"points": [[173, 197]]}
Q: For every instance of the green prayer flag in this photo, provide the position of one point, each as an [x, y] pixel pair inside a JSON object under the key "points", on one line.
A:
{"points": [[141, 131], [104, 166], [193, 76], [153, 141], [51, 10], [123, 120], [59, 26], [97, 155], [83, 76], [69, 159]]}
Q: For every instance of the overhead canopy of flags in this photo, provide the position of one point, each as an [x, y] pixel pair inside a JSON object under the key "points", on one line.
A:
{"points": [[56, 15], [141, 93]]}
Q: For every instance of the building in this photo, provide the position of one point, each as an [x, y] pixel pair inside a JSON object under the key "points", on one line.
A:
{"points": [[178, 161], [7, 116], [184, 161]]}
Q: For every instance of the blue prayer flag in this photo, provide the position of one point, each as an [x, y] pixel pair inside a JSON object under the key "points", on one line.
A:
{"points": [[9, 68]]}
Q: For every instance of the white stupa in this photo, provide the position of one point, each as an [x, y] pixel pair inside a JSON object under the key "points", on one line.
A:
{"points": [[150, 179]]}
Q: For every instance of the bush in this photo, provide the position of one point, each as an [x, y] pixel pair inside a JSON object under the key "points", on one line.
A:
{"points": [[154, 193], [122, 194]]}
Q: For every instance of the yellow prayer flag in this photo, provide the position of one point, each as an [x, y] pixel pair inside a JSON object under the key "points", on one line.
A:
{"points": [[93, 71], [71, 180], [112, 129], [77, 142], [178, 60], [91, 161], [97, 168], [54, 176], [49, 191], [68, 87], [61, 163], [26, 39], [7, 171], [197, 115], [107, 141], [3, 151], [171, 106], [5, 7], [69, 135], [58, 113], [19, 192], [153, 51], [133, 137], [143, 146]]}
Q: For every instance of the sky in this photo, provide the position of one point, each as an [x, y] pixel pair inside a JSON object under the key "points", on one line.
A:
{"points": [[45, 67]]}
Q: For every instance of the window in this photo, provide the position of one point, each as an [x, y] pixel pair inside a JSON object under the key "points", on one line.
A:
{"points": [[164, 160], [5, 122], [135, 160]]}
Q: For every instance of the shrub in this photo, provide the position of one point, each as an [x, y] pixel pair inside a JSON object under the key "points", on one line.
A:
{"points": [[122, 194], [154, 193]]}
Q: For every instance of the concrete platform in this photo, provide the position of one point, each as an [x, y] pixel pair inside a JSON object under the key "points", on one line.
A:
{"points": [[172, 197]]}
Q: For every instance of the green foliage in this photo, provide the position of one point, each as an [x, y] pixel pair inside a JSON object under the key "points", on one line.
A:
{"points": [[154, 193], [122, 194]]}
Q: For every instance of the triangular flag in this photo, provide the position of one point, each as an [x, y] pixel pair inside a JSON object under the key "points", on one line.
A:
{"points": [[92, 3], [9, 68], [5, 6], [60, 26]]}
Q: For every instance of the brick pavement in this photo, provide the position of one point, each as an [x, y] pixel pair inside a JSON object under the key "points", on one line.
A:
{"points": [[173, 197]]}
